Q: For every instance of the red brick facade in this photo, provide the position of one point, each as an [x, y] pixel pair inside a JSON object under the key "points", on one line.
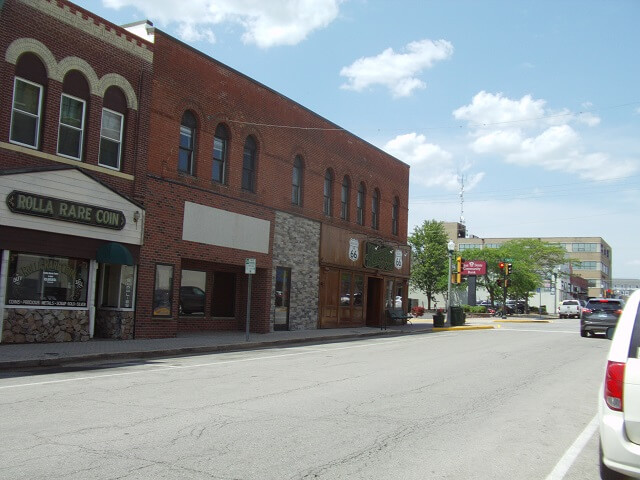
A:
{"points": [[166, 79]]}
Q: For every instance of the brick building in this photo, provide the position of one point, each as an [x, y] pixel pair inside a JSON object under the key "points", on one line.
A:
{"points": [[216, 171], [238, 171], [72, 150]]}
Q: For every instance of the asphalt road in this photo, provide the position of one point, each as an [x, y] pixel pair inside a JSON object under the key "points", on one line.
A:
{"points": [[517, 402]]}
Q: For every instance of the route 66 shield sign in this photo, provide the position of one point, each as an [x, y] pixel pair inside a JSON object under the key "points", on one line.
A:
{"points": [[353, 250], [398, 261]]}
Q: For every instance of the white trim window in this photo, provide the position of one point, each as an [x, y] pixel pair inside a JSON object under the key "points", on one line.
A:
{"points": [[71, 127], [111, 139], [26, 111]]}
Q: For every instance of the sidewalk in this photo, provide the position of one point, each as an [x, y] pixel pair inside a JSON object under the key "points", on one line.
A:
{"points": [[31, 355]]}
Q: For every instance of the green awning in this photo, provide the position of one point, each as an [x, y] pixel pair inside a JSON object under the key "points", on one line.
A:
{"points": [[114, 253]]}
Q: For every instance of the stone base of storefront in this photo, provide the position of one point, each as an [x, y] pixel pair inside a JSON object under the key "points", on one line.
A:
{"points": [[114, 324], [45, 326]]}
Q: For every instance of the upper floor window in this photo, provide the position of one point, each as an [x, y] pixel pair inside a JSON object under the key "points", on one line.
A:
{"points": [[112, 129], [26, 107], [73, 105], [375, 209], [328, 188], [219, 169], [187, 143], [394, 215], [26, 112], [344, 198], [249, 165], [296, 181], [71, 127], [360, 202]]}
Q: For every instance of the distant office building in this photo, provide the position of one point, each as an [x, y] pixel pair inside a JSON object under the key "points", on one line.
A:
{"points": [[593, 256]]}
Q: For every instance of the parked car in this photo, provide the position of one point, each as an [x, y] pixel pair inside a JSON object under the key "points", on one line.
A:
{"points": [[600, 314], [515, 307], [191, 300], [619, 402], [570, 308]]}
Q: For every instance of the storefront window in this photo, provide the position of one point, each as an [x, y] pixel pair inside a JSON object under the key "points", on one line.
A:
{"points": [[116, 286], [283, 286], [193, 285], [345, 289], [389, 294], [358, 289], [162, 293], [39, 280]]}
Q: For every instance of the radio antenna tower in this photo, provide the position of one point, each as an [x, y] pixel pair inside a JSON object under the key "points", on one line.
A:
{"points": [[461, 182]]}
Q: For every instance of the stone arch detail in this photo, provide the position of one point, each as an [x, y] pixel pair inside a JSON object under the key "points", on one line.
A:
{"points": [[113, 79], [74, 63], [31, 45]]}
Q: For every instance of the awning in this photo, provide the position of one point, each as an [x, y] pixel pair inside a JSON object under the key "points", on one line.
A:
{"points": [[114, 253]]}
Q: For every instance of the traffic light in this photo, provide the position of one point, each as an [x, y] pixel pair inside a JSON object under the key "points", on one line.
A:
{"points": [[509, 268], [499, 282], [501, 267], [506, 282], [459, 262]]}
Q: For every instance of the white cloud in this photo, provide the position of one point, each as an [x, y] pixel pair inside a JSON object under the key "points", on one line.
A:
{"points": [[526, 133], [396, 71], [265, 24], [431, 165]]}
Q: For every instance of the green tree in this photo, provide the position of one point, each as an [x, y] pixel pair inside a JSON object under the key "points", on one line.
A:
{"points": [[533, 261], [429, 269]]}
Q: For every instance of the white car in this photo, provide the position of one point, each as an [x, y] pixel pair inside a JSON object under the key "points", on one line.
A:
{"points": [[619, 404]]}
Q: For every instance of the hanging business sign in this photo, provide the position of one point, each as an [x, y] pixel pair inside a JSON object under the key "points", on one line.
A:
{"points": [[64, 210], [379, 256]]}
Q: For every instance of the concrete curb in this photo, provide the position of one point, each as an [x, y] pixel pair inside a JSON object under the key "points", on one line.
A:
{"points": [[522, 321], [464, 327]]}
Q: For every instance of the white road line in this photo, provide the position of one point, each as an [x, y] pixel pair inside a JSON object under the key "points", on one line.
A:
{"points": [[565, 463], [159, 368]]}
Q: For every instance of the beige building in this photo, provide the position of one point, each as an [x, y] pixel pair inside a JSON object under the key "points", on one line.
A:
{"points": [[593, 254]]}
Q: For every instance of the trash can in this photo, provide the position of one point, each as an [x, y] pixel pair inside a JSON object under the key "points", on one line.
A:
{"points": [[457, 316]]}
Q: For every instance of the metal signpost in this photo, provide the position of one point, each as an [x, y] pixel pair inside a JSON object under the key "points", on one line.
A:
{"points": [[249, 269]]}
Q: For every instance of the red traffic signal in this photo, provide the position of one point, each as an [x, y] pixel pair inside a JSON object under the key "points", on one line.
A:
{"points": [[501, 265]]}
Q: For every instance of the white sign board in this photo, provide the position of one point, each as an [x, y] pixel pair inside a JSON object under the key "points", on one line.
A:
{"points": [[250, 266]]}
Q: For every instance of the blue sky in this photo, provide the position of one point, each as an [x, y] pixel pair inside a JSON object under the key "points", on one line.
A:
{"points": [[534, 105]]}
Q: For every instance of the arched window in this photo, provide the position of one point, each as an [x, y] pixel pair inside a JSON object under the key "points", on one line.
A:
{"points": [[26, 108], [73, 107], [375, 209], [360, 203], [394, 215], [249, 165], [187, 143], [328, 188], [296, 181], [219, 169], [344, 198], [114, 107]]}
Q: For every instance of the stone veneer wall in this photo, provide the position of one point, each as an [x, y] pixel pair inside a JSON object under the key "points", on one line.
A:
{"points": [[22, 325], [296, 245], [114, 324]]}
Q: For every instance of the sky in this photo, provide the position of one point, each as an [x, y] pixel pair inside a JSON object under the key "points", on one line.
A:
{"points": [[521, 117]]}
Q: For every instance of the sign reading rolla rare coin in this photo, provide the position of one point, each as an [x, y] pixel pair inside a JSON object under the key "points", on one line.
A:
{"points": [[65, 210]]}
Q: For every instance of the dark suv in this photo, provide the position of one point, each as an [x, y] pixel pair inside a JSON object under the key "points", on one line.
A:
{"points": [[600, 314]]}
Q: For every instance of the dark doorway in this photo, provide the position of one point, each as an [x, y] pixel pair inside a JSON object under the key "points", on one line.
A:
{"points": [[223, 301], [374, 302], [283, 287]]}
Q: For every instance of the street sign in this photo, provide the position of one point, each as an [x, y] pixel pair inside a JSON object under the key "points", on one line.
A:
{"points": [[474, 267], [250, 266]]}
